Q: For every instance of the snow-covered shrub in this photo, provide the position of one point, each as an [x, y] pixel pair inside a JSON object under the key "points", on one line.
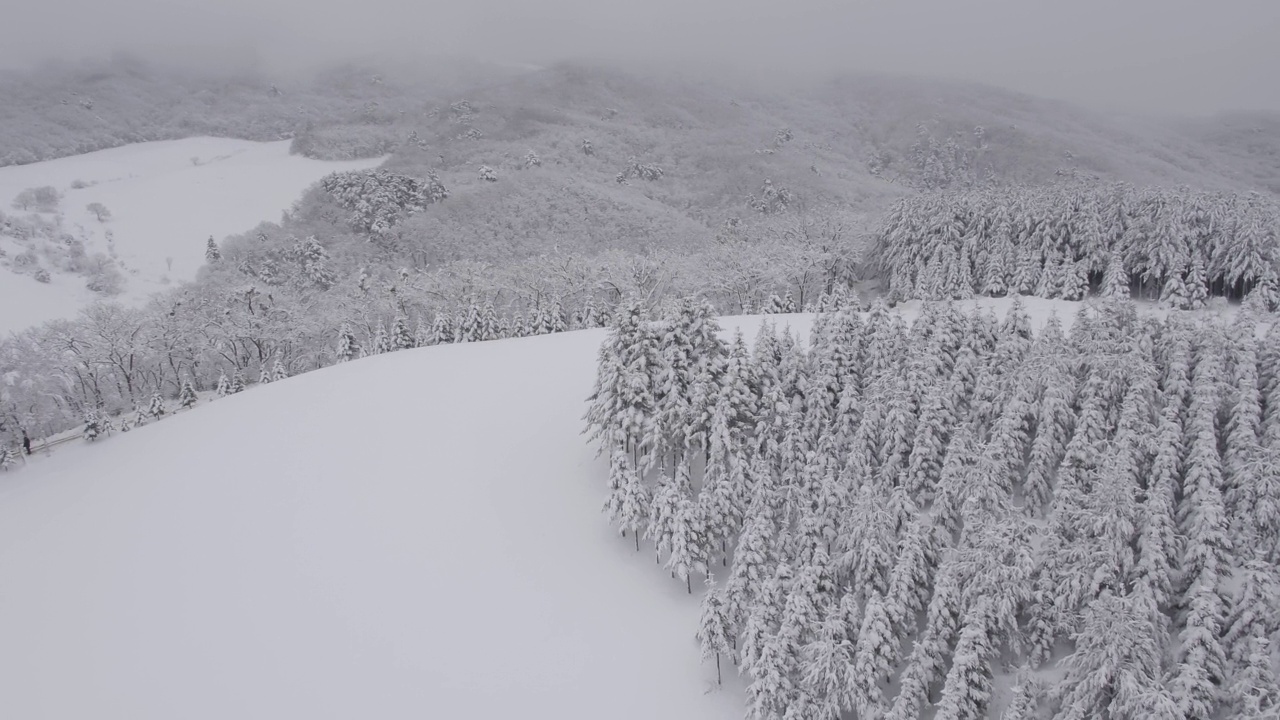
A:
{"points": [[772, 199], [636, 169]]}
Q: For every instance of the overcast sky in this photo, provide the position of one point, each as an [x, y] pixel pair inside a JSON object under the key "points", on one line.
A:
{"points": [[1186, 56]]}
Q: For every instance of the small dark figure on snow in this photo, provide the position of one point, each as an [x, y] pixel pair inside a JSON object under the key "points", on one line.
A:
{"points": [[26, 442]]}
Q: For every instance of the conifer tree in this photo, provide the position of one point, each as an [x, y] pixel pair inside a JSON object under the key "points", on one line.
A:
{"points": [[664, 514], [1254, 692], [1116, 670], [1203, 517], [715, 633], [93, 426], [442, 332], [928, 655], [1053, 427], [156, 407], [187, 395], [1201, 662], [968, 686], [874, 658], [826, 663], [1242, 447], [1025, 697], [1254, 610], [421, 334], [379, 343], [623, 401], [753, 561], [278, 371], [348, 347], [628, 502], [224, 385], [401, 338], [211, 252], [237, 383], [688, 537]]}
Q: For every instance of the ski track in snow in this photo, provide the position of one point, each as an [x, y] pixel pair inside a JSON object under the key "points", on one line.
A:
{"points": [[163, 205]]}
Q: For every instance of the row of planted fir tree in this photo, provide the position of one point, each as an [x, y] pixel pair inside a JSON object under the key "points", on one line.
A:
{"points": [[894, 517], [1066, 241]]}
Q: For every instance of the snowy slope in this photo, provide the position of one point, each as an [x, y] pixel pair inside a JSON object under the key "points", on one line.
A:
{"points": [[410, 535], [166, 199]]}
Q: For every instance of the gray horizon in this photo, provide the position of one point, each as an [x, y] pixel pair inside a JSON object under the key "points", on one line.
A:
{"points": [[1159, 57]]}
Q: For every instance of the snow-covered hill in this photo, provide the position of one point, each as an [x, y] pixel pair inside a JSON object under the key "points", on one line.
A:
{"points": [[165, 199], [410, 535]]}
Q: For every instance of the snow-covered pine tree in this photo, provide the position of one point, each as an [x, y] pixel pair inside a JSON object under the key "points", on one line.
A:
{"points": [[211, 252], [1024, 697], [967, 689], [628, 502], [929, 654], [1254, 610], [1115, 281], [278, 371], [348, 347], [825, 662], [224, 385], [401, 338], [622, 404], [1116, 670], [715, 634], [442, 331], [378, 344], [874, 658], [1241, 453], [688, 546], [237, 383], [1254, 693], [767, 656], [187, 395], [1203, 516], [724, 483], [92, 426], [1201, 662], [156, 408]]}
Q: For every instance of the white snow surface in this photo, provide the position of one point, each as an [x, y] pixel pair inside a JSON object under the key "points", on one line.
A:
{"points": [[417, 534], [166, 199]]}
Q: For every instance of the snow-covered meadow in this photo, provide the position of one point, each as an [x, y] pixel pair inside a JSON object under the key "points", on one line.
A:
{"points": [[165, 200], [410, 535]]}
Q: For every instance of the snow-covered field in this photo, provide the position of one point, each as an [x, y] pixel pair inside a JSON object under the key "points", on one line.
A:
{"points": [[165, 198], [410, 535]]}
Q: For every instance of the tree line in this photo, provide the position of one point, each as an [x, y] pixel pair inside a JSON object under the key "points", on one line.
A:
{"points": [[890, 516], [1067, 241]]}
